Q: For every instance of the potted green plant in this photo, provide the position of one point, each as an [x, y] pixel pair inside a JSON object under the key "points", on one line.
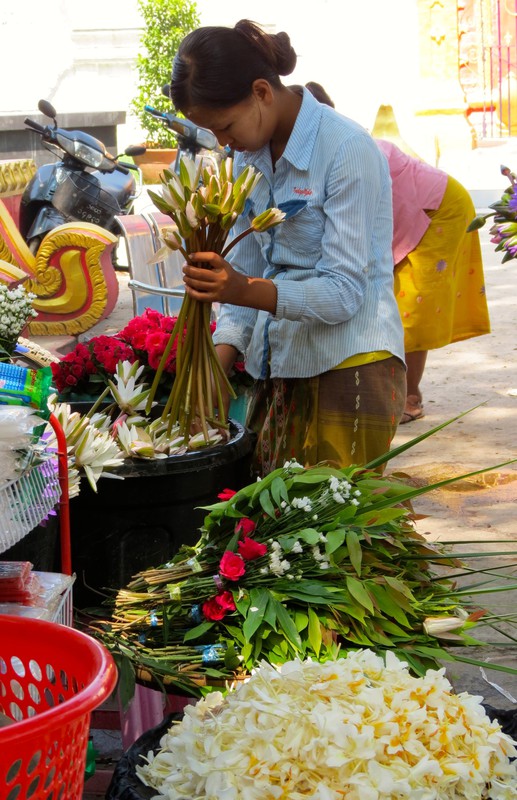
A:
{"points": [[165, 24]]}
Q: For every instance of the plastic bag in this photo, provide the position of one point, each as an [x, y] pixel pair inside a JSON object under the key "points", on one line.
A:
{"points": [[23, 386], [125, 783]]}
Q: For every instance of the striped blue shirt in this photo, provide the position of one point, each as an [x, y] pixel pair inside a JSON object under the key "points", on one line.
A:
{"points": [[331, 262]]}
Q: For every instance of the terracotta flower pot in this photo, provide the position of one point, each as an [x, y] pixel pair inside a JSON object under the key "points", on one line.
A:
{"points": [[153, 162]]}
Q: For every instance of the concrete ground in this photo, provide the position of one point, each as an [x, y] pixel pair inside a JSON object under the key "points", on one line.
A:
{"points": [[479, 374]]}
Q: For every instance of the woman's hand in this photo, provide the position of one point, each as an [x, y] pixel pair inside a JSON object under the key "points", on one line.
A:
{"points": [[221, 283]]}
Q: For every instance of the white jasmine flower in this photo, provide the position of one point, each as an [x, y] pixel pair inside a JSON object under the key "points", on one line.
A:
{"points": [[333, 483], [316, 553]]}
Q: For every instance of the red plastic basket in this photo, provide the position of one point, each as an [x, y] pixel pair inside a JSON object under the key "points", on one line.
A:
{"points": [[51, 678]]}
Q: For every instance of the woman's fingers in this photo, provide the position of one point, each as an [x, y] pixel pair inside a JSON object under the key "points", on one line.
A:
{"points": [[215, 281]]}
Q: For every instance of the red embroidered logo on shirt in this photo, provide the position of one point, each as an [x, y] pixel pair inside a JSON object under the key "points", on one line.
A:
{"points": [[304, 192]]}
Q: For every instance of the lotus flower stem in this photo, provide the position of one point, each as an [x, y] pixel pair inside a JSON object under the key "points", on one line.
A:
{"points": [[235, 241], [178, 326], [98, 402]]}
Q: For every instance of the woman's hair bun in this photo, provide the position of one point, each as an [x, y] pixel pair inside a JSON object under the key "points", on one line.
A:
{"points": [[275, 48]]}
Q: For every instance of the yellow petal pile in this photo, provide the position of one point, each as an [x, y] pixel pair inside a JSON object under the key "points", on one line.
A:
{"points": [[359, 728]]}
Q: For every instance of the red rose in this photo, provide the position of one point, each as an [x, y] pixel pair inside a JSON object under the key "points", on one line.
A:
{"points": [[226, 494], [250, 549], [231, 566], [245, 526], [212, 610], [226, 601]]}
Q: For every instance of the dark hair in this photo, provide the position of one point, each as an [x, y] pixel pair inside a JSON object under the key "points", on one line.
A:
{"points": [[319, 93], [215, 66]]}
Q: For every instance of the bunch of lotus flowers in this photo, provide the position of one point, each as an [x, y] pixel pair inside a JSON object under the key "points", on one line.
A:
{"points": [[360, 727], [204, 205], [98, 442], [504, 213]]}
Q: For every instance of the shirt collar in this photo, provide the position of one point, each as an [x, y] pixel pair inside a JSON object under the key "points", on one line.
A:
{"points": [[301, 142]]}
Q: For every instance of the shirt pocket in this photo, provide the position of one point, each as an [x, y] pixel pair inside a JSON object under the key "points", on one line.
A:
{"points": [[302, 232]]}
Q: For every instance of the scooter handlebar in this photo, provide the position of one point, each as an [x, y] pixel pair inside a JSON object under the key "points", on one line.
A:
{"points": [[201, 137], [34, 125]]}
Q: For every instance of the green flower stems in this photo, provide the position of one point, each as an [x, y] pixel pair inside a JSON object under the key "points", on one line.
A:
{"points": [[199, 375], [204, 206]]}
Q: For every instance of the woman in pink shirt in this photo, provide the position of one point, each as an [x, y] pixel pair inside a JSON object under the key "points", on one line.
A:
{"points": [[438, 279]]}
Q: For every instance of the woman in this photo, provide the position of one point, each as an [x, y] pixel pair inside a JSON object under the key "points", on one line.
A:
{"points": [[439, 279], [310, 303]]}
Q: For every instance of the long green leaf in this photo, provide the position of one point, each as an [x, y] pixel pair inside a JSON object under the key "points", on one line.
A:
{"points": [[267, 505], [126, 679], [314, 631], [335, 539], [411, 493], [354, 550], [287, 625], [396, 451], [259, 599], [279, 491], [199, 630], [359, 593]]}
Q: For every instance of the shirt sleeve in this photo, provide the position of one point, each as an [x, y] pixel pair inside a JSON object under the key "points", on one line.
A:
{"points": [[357, 233]]}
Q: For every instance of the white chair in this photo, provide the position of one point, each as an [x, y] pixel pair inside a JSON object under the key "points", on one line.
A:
{"points": [[159, 285]]}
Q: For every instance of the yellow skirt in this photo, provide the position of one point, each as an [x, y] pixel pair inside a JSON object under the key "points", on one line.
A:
{"points": [[440, 285]]}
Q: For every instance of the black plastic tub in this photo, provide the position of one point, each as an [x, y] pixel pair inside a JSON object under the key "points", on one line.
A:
{"points": [[141, 521]]}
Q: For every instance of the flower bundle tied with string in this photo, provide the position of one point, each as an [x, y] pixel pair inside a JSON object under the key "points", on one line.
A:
{"points": [[204, 205]]}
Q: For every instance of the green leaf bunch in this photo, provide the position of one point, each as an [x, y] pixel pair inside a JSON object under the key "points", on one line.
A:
{"points": [[344, 569], [165, 25]]}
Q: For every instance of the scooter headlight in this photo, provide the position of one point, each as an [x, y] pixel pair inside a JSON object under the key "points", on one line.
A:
{"points": [[83, 152]]}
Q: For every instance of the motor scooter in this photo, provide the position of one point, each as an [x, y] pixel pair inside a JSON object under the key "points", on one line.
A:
{"points": [[86, 184]]}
